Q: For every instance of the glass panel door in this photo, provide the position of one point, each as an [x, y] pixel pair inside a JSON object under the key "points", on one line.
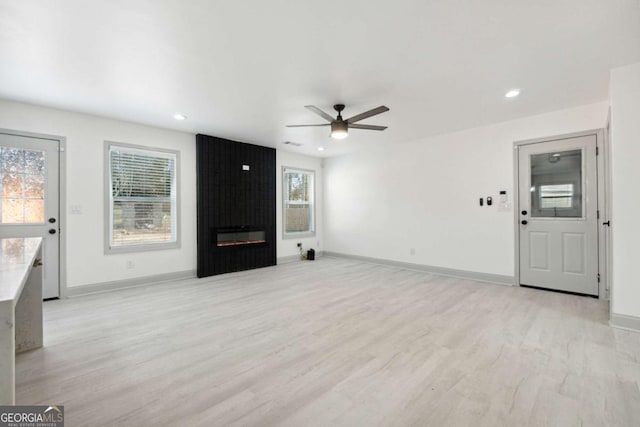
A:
{"points": [[29, 182]]}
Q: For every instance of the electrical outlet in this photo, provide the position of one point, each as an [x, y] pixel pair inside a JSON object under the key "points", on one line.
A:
{"points": [[130, 264]]}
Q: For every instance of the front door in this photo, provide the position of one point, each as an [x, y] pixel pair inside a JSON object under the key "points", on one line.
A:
{"points": [[29, 172], [558, 215]]}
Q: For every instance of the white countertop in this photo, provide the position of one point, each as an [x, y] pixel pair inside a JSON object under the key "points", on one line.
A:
{"points": [[16, 261]]}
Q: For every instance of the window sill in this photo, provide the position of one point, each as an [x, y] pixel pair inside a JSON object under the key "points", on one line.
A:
{"points": [[109, 250], [299, 235]]}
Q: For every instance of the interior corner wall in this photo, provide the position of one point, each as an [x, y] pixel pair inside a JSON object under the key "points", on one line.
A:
{"points": [[286, 247], [86, 262], [625, 178], [417, 202]]}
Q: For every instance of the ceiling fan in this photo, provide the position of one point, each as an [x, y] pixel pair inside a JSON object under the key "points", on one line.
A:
{"points": [[339, 126]]}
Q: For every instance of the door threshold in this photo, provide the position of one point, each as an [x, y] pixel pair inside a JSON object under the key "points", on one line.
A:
{"points": [[559, 291]]}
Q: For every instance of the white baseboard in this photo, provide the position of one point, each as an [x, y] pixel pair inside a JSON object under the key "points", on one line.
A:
{"points": [[622, 321], [294, 258], [75, 291], [440, 271], [287, 259]]}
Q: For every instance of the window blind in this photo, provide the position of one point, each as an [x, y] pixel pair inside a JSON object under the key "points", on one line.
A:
{"points": [[143, 197]]}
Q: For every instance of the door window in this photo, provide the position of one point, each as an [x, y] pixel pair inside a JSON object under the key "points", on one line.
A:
{"points": [[556, 184], [21, 186]]}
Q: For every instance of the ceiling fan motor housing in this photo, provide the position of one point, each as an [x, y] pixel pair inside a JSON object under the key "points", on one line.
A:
{"points": [[339, 126]]}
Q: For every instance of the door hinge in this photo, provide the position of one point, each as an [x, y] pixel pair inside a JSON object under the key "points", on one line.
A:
{"points": [[598, 215], [598, 277], [597, 151]]}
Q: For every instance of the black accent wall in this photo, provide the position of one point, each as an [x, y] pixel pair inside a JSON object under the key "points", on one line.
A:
{"points": [[230, 198]]}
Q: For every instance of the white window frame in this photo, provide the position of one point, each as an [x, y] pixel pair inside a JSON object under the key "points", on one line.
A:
{"points": [[298, 234], [175, 211]]}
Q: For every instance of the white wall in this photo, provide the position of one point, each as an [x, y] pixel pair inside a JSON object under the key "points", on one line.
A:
{"points": [[424, 194], [625, 179], [378, 203], [287, 247], [86, 261]]}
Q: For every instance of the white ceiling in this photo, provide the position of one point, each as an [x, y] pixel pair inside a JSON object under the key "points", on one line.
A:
{"points": [[244, 69]]}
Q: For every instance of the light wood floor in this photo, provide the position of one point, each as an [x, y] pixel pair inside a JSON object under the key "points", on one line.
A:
{"points": [[333, 342]]}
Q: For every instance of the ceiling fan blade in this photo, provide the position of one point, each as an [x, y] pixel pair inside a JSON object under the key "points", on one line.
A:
{"points": [[368, 127], [306, 126], [319, 112], [367, 114]]}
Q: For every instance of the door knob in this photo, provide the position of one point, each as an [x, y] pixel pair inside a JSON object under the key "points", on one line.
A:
{"points": [[524, 212], [52, 220], [524, 222], [52, 231]]}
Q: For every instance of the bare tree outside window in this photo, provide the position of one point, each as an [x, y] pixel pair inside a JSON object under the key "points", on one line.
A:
{"points": [[22, 177], [298, 192], [143, 197]]}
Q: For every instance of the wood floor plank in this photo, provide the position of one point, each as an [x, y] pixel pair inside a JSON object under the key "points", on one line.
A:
{"points": [[333, 342]]}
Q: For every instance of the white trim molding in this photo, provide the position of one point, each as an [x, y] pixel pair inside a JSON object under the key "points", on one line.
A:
{"points": [[623, 321], [497, 279], [288, 259], [294, 258], [76, 291]]}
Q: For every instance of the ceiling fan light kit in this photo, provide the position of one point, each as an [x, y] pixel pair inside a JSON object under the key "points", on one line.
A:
{"points": [[339, 130], [339, 126]]}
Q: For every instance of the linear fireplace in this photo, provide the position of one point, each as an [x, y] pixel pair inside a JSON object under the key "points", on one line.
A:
{"points": [[239, 236], [236, 206]]}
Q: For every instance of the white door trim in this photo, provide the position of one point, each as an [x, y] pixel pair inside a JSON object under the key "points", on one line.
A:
{"points": [[62, 195], [602, 161]]}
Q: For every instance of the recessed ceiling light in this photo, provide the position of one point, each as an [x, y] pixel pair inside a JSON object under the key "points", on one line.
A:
{"points": [[320, 148], [179, 116], [512, 93]]}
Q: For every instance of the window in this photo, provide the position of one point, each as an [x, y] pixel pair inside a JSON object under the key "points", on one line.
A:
{"points": [[299, 202], [142, 205], [556, 196], [22, 178]]}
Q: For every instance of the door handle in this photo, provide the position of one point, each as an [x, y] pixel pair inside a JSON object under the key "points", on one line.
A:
{"points": [[52, 231], [524, 212], [524, 222], [607, 223]]}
